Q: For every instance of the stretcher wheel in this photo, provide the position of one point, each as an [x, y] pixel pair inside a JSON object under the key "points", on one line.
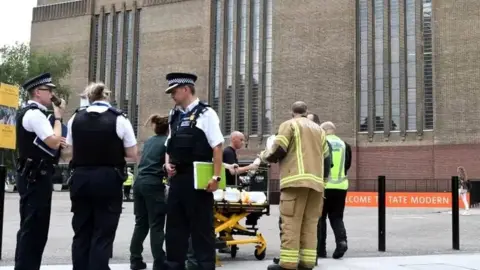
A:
{"points": [[260, 256], [233, 251]]}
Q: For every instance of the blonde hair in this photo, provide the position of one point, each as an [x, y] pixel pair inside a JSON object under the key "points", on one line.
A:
{"points": [[462, 173], [96, 91]]}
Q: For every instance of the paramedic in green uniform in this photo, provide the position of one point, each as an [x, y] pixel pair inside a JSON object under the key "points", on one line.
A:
{"points": [[149, 198], [335, 195]]}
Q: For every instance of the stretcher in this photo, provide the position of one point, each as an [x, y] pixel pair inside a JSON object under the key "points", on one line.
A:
{"points": [[227, 217]]}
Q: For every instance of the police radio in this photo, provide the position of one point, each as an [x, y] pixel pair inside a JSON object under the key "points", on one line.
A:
{"points": [[56, 101]]}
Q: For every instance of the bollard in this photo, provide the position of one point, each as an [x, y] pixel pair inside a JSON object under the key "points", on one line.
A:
{"points": [[3, 177], [381, 213], [455, 215]]}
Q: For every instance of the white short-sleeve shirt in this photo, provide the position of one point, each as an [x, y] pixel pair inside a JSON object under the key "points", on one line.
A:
{"points": [[124, 128], [36, 121], [208, 122]]}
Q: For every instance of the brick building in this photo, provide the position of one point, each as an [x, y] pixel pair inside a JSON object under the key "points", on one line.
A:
{"points": [[397, 77]]}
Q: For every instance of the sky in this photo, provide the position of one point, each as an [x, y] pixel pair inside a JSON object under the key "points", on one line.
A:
{"points": [[15, 21]]}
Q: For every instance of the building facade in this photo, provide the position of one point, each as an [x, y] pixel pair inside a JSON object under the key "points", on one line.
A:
{"points": [[399, 78]]}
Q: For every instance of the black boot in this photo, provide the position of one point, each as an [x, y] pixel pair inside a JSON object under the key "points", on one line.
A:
{"points": [[342, 247], [322, 238], [138, 265], [303, 268], [275, 267], [340, 238]]}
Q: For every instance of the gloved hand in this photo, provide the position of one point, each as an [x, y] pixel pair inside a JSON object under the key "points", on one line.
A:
{"points": [[257, 162]]}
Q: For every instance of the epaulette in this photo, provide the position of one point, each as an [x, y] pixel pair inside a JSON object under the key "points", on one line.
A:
{"points": [[117, 111], [204, 106], [31, 106], [80, 109], [171, 114]]}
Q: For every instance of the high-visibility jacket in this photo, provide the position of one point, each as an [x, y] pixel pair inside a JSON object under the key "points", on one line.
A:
{"points": [[300, 147], [337, 178], [129, 180]]}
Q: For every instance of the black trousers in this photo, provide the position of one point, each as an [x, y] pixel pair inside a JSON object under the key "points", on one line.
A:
{"points": [[35, 209], [333, 208], [190, 213], [96, 195], [126, 192], [150, 210]]}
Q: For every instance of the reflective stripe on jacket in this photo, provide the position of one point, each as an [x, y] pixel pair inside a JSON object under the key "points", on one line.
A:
{"points": [[300, 147]]}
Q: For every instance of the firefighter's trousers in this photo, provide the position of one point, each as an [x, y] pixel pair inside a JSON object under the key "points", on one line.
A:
{"points": [[300, 209]]}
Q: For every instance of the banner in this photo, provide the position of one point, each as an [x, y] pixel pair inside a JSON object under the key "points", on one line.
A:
{"points": [[9, 98], [404, 199]]}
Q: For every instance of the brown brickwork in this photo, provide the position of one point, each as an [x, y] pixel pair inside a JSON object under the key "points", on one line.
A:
{"points": [[314, 59]]}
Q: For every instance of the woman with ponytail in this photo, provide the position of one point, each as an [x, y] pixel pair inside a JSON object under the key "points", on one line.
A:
{"points": [[463, 188], [101, 137], [149, 197]]}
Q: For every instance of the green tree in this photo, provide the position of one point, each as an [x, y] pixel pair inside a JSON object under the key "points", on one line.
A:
{"points": [[18, 63]]}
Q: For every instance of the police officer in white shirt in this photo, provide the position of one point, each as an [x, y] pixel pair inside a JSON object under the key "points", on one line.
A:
{"points": [[35, 169], [195, 135], [101, 137]]}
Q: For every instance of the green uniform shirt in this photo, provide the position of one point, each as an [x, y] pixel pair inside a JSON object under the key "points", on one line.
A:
{"points": [[150, 168]]}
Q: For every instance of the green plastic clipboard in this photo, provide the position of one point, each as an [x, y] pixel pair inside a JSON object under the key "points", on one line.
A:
{"points": [[203, 172]]}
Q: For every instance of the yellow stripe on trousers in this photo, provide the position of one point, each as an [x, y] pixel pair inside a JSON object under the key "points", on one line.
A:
{"points": [[308, 256], [288, 256]]}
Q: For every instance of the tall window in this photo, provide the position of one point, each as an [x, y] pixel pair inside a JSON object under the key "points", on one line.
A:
{"points": [[379, 21], [395, 62], [228, 90], [411, 66], [363, 20], [217, 27], [267, 123], [108, 49], [403, 43], [428, 64], [94, 50], [114, 48], [246, 77]]}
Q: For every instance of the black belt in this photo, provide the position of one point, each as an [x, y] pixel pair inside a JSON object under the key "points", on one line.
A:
{"points": [[183, 168]]}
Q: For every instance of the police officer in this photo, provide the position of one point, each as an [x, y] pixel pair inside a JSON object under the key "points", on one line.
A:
{"points": [[335, 194], [35, 169], [101, 137], [195, 135]]}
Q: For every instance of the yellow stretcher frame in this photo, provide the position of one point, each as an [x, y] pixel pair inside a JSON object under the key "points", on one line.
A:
{"points": [[231, 227]]}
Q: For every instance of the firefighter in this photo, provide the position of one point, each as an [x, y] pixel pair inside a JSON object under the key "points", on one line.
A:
{"points": [[195, 135], [335, 194], [300, 147]]}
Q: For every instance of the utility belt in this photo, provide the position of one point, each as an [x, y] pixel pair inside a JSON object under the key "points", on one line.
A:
{"points": [[120, 170], [183, 168], [31, 169]]}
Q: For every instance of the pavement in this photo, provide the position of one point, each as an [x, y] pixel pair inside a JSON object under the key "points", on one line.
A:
{"points": [[409, 232]]}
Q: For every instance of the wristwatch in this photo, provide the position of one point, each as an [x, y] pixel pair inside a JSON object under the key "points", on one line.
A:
{"points": [[58, 118], [217, 178]]}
